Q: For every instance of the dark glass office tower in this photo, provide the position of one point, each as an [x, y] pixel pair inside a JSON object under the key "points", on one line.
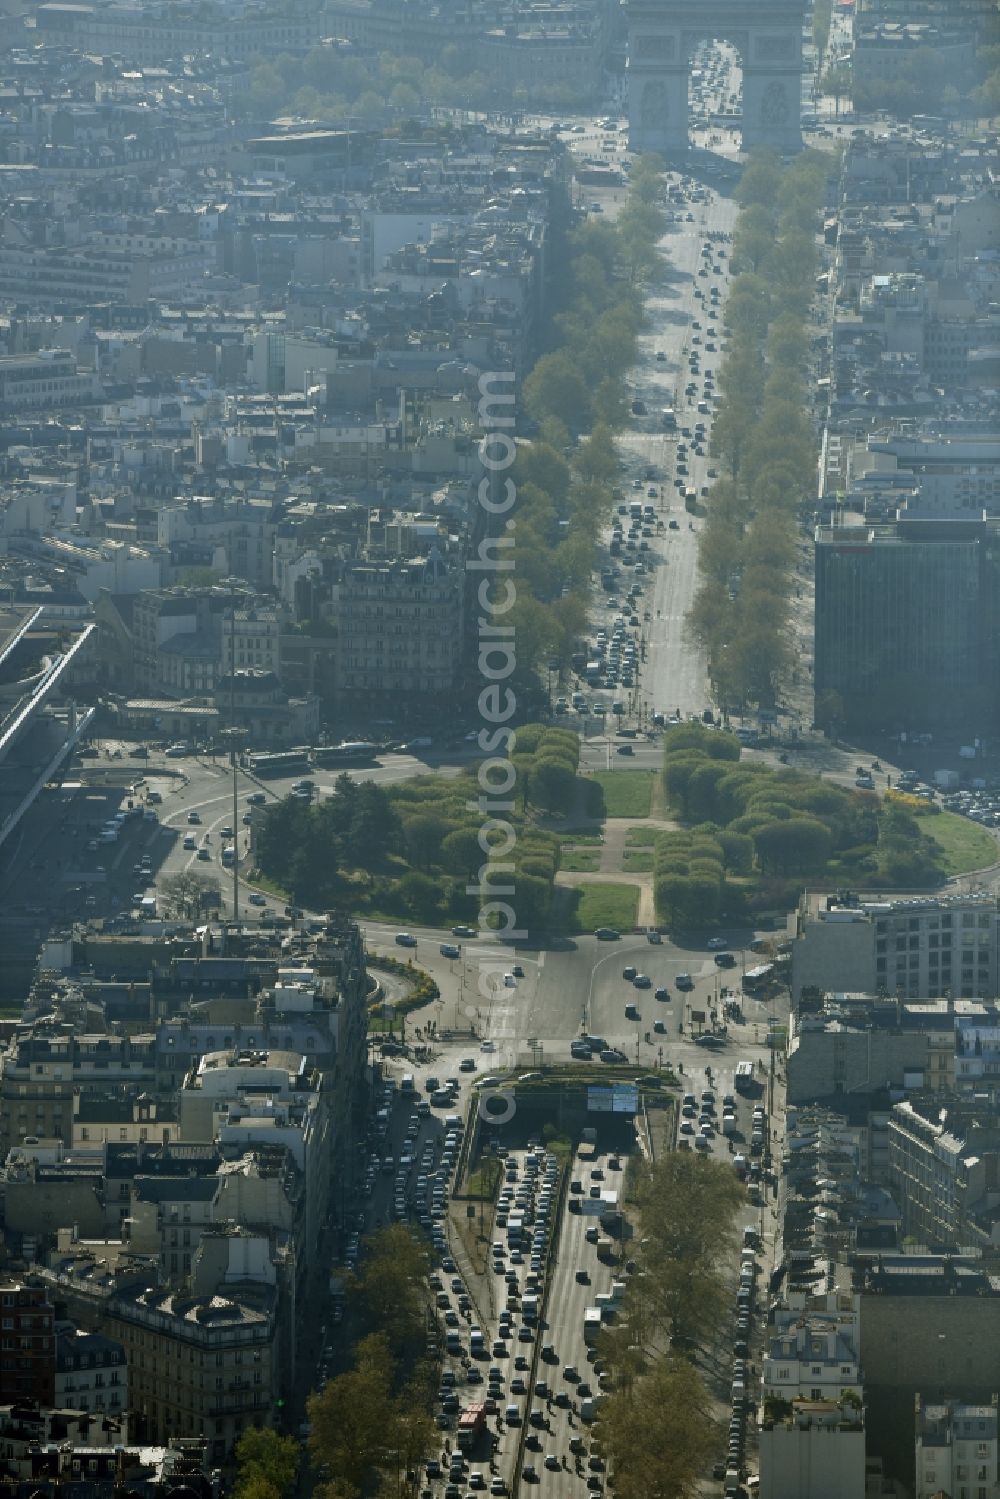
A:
{"points": [[906, 625]]}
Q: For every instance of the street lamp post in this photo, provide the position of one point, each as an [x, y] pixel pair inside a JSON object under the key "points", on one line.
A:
{"points": [[233, 737]]}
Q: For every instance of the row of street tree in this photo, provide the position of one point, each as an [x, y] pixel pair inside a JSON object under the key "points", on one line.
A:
{"points": [[657, 1428], [373, 1424], [336, 83], [577, 398], [926, 80], [763, 432]]}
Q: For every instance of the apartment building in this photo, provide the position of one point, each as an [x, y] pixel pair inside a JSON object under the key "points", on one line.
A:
{"points": [[91, 1372], [814, 1351], [197, 1365], [155, 34], [237, 534], [39, 382], [974, 15], [944, 1166], [812, 1428], [977, 1053], [956, 1450], [855, 1045], [814, 1449], [27, 1344], [125, 268], [177, 640], [400, 626], [167, 1216], [245, 1099], [925, 948], [251, 640], [520, 48], [44, 1067], [100, 1117], [882, 53]]}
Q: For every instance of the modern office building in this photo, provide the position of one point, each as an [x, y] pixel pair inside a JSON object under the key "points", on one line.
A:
{"points": [[926, 948], [906, 617]]}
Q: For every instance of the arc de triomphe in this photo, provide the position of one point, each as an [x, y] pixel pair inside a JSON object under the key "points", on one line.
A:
{"points": [[664, 33]]}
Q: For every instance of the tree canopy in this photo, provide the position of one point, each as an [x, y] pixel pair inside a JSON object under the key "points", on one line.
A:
{"points": [[763, 433]]}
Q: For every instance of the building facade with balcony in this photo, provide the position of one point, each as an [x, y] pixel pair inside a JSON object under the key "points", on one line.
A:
{"points": [[400, 626], [91, 1372], [944, 1166], [956, 1450], [27, 1344], [197, 1365]]}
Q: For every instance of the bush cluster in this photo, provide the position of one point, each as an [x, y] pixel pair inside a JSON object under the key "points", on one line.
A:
{"points": [[423, 992], [416, 849], [751, 823]]}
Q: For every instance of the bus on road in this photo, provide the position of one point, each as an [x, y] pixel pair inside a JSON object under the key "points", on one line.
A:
{"points": [[756, 980], [744, 1079], [278, 762], [355, 752]]}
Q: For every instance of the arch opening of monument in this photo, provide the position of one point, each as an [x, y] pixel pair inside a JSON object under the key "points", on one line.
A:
{"points": [[663, 36]]}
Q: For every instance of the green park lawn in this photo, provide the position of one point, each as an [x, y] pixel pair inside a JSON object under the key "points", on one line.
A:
{"points": [[965, 844], [580, 860], [627, 793], [605, 905]]}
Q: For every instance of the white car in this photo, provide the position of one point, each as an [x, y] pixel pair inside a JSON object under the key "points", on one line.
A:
{"points": [[487, 1045], [510, 981]]}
